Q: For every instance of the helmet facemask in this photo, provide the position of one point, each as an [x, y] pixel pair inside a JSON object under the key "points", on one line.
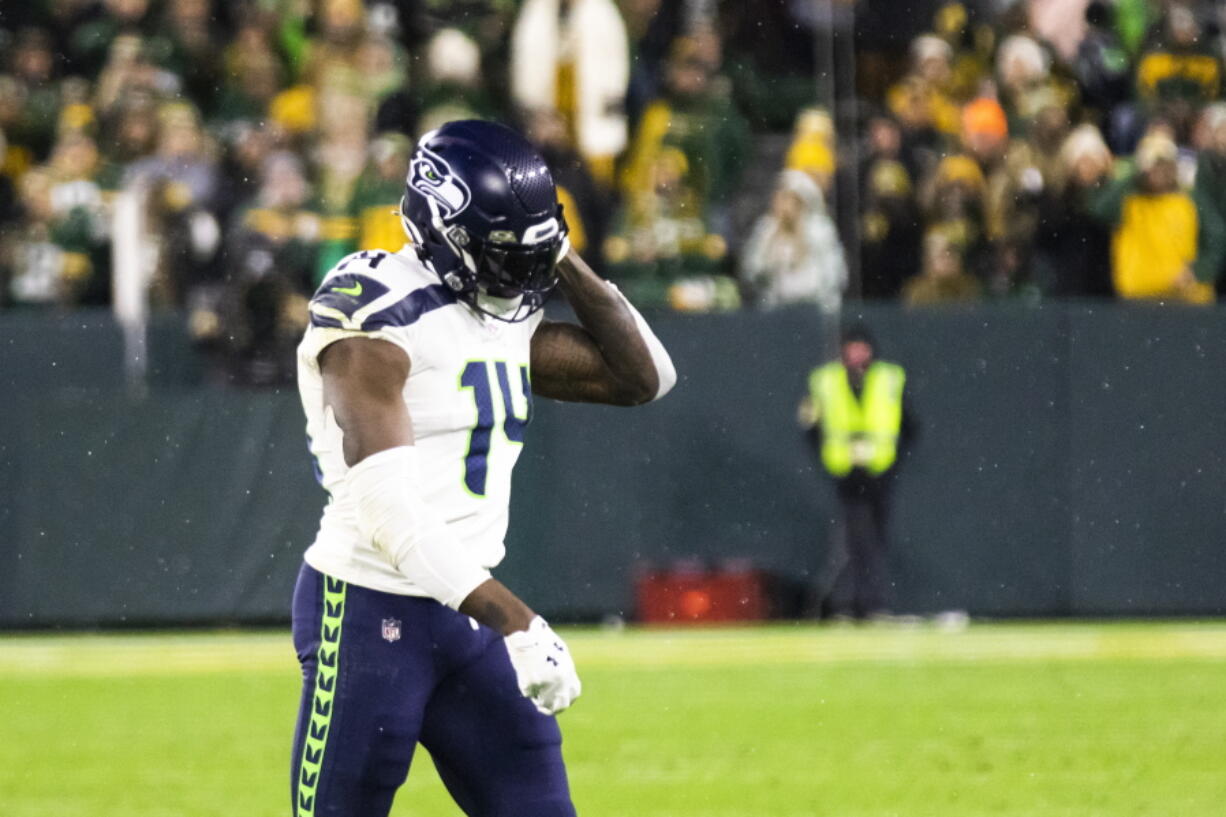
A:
{"points": [[504, 279], [514, 280]]}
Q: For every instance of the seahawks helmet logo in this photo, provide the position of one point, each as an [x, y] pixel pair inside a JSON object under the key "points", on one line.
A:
{"points": [[430, 175]]}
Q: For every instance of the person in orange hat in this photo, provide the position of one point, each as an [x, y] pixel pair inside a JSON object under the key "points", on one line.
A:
{"points": [[985, 138], [985, 130], [1013, 180]]}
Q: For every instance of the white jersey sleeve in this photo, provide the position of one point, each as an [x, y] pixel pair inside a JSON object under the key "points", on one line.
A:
{"points": [[355, 299]]}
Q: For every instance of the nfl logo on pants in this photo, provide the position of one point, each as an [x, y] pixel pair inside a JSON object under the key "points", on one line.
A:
{"points": [[391, 629]]}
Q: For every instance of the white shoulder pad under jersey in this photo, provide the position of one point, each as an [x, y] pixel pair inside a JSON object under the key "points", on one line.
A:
{"points": [[468, 396]]}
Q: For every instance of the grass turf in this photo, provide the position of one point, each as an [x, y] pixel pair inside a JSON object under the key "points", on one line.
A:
{"points": [[1035, 720]]}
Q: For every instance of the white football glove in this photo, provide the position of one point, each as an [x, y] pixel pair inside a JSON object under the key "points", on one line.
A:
{"points": [[543, 667]]}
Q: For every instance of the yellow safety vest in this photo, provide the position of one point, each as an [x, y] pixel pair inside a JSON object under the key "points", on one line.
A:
{"points": [[858, 432]]}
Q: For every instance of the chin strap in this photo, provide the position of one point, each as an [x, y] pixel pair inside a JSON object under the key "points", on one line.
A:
{"points": [[502, 308]]}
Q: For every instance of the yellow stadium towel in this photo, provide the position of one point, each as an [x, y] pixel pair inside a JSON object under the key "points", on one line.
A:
{"points": [[294, 109], [380, 228], [574, 219], [339, 228]]}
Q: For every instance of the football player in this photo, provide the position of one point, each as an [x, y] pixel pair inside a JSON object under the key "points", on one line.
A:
{"points": [[417, 376]]}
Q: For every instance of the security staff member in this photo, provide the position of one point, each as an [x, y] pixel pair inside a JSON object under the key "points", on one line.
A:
{"points": [[855, 416]]}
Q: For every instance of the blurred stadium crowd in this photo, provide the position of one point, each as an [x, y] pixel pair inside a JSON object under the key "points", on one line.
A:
{"points": [[1026, 149]]}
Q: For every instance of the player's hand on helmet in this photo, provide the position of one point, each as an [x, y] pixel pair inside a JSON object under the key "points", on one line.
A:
{"points": [[543, 667]]}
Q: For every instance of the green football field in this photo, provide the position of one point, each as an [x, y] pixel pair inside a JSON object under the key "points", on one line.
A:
{"points": [[1065, 720]]}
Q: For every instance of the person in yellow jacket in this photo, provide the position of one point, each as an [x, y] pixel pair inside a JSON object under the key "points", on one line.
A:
{"points": [[855, 414], [1164, 247]]}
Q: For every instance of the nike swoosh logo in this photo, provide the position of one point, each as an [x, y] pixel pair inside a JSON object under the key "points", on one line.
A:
{"points": [[354, 290]]}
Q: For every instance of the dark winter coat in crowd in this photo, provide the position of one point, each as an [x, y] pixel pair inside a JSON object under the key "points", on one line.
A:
{"points": [[1072, 249]]}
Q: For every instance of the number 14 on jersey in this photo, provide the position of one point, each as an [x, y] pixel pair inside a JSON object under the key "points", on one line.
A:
{"points": [[476, 376]]}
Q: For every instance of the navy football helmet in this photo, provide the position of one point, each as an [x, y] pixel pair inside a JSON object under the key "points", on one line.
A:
{"points": [[481, 208]]}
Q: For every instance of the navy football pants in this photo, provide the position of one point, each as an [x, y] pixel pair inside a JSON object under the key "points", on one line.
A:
{"points": [[382, 672]]}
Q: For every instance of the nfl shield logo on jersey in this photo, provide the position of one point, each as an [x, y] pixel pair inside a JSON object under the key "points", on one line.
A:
{"points": [[391, 630]]}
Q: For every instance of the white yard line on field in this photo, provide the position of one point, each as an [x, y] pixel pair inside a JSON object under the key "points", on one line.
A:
{"points": [[189, 654]]}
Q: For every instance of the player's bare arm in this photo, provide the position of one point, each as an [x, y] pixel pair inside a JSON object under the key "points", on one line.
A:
{"points": [[363, 385], [610, 358]]}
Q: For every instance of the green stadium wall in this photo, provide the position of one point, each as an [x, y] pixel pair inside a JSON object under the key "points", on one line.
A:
{"points": [[1070, 462]]}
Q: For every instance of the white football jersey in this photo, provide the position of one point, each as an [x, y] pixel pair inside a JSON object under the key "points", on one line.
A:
{"points": [[468, 395]]}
